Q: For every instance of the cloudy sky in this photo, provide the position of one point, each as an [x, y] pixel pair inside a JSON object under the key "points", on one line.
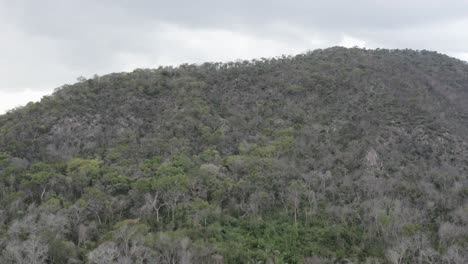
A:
{"points": [[45, 44]]}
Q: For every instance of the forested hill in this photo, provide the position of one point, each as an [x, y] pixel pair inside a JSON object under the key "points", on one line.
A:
{"points": [[336, 155]]}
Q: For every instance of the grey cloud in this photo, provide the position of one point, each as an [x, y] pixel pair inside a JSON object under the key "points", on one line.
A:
{"points": [[51, 42], [55, 17], [331, 14]]}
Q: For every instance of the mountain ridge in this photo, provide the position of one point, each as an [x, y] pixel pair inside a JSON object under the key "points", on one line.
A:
{"points": [[432, 83], [332, 155]]}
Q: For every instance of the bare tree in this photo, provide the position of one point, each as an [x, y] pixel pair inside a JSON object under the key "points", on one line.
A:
{"points": [[396, 253], [55, 223], [125, 234], [152, 204], [294, 195], [106, 253], [310, 183], [456, 255], [449, 233], [31, 251], [35, 250], [141, 253]]}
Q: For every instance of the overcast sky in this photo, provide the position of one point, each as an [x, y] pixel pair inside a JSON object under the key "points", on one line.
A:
{"points": [[47, 43]]}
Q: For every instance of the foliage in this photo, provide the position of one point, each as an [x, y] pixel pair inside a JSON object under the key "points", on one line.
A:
{"points": [[332, 156]]}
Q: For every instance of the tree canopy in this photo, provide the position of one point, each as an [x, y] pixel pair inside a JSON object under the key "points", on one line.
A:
{"points": [[331, 156]]}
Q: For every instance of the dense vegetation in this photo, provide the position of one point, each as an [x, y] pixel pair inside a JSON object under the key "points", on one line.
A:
{"points": [[333, 156]]}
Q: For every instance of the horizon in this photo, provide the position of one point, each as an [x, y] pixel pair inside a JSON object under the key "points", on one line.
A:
{"points": [[36, 96], [45, 44]]}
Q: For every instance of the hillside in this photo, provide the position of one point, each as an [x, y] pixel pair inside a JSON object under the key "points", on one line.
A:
{"points": [[332, 156]]}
